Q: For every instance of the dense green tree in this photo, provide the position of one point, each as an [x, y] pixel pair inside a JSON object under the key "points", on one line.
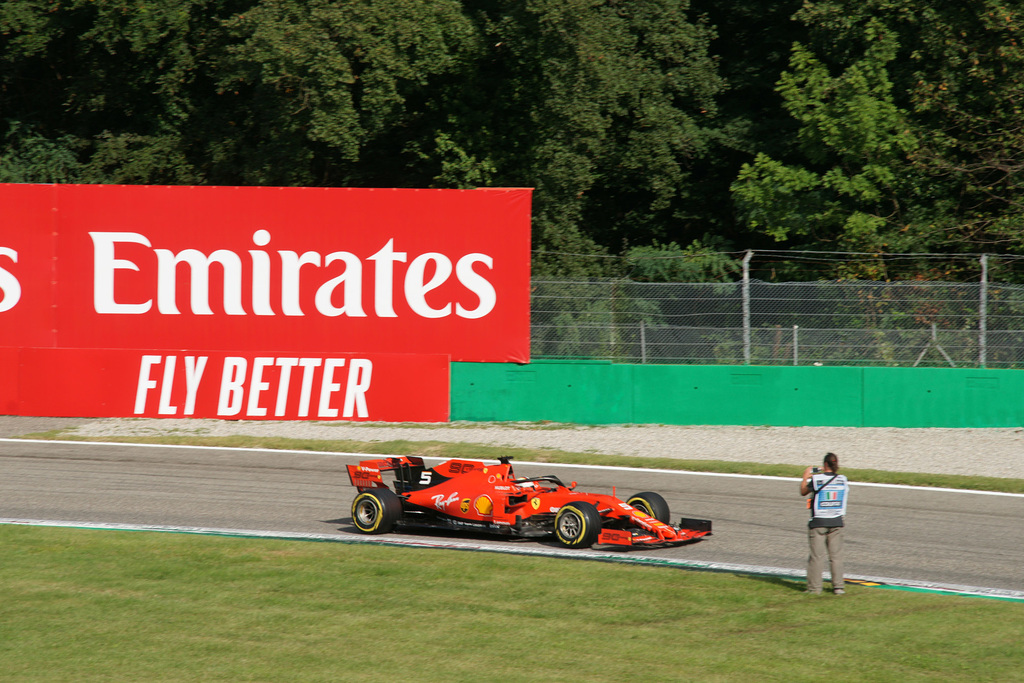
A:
{"points": [[604, 108], [335, 91], [207, 91], [909, 131], [643, 125], [702, 261], [966, 87], [751, 48], [846, 188], [99, 91]]}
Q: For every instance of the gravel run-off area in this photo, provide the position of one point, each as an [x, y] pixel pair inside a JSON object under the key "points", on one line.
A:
{"points": [[984, 452]]}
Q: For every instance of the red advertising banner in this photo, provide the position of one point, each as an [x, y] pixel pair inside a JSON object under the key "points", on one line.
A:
{"points": [[27, 262], [304, 272], [293, 269], [225, 385]]}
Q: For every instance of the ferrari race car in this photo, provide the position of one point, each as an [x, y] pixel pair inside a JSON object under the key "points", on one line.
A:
{"points": [[485, 497]]}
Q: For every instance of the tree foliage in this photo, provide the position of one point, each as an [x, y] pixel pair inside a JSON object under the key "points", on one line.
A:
{"points": [[909, 133], [847, 186], [643, 125]]}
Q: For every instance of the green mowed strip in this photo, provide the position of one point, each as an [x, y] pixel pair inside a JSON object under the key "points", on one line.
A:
{"points": [[440, 449], [88, 605]]}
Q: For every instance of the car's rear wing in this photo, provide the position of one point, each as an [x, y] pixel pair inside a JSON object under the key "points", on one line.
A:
{"points": [[410, 475], [368, 473], [363, 476]]}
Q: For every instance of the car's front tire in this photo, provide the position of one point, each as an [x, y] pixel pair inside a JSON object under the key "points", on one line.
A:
{"points": [[577, 525], [376, 511], [651, 503]]}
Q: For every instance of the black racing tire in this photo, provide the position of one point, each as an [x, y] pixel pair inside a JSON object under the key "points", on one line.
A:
{"points": [[376, 511], [652, 503], [577, 524]]}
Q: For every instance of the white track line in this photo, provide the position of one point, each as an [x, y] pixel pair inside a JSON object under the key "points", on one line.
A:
{"points": [[622, 558], [368, 456]]}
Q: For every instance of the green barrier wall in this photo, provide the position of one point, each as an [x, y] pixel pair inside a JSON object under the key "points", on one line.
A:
{"points": [[603, 393]]}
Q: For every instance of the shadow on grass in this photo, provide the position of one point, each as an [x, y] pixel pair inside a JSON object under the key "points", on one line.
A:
{"points": [[794, 585], [346, 525]]}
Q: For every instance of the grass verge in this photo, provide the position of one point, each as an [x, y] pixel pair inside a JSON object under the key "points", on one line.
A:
{"points": [[131, 606], [441, 449]]}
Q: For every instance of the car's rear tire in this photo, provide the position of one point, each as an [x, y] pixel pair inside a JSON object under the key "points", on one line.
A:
{"points": [[577, 524], [376, 511], [652, 503]]}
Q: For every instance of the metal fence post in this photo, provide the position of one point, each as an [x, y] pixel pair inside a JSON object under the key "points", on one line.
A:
{"points": [[796, 355], [643, 342], [746, 306], [983, 314]]}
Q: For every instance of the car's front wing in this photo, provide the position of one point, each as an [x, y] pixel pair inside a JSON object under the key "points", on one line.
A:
{"points": [[688, 530]]}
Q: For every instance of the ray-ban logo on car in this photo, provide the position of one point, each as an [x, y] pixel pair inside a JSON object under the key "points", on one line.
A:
{"points": [[442, 503]]}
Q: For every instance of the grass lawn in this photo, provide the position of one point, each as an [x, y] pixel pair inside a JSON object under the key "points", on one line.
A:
{"points": [[82, 605]]}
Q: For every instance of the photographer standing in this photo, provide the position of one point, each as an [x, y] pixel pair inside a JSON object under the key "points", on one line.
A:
{"points": [[829, 492]]}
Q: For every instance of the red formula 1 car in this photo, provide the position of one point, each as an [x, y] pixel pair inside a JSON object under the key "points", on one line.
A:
{"points": [[476, 496]]}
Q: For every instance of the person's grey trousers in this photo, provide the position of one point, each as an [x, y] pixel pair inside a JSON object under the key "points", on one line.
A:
{"points": [[825, 540]]}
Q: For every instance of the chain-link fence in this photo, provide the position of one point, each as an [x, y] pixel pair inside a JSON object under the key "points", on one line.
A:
{"points": [[840, 322]]}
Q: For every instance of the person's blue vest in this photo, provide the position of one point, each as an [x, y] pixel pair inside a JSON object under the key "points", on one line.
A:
{"points": [[828, 502]]}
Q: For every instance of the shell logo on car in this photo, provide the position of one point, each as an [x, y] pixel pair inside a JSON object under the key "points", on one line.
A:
{"points": [[484, 505]]}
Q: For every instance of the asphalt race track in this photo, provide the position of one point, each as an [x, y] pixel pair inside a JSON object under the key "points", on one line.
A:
{"points": [[946, 537]]}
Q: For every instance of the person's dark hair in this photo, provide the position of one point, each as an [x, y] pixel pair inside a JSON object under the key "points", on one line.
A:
{"points": [[832, 462]]}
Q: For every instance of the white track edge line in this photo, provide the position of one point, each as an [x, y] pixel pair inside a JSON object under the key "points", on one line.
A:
{"points": [[613, 468], [925, 586]]}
